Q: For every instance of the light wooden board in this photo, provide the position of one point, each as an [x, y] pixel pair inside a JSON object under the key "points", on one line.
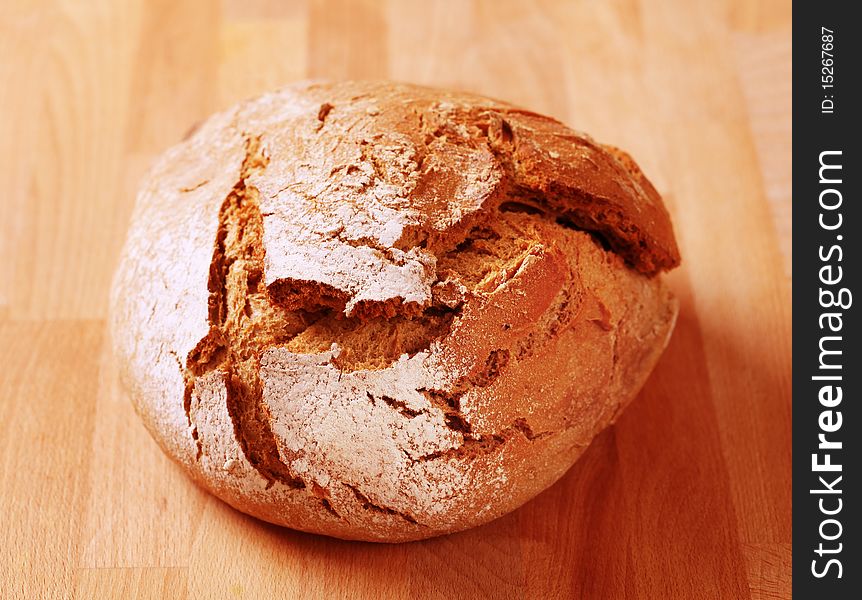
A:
{"points": [[687, 496]]}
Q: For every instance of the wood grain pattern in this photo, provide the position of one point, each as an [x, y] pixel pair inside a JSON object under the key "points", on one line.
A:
{"points": [[687, 496]]}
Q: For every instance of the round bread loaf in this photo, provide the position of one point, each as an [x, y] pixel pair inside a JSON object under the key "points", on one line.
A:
{"points": [[385, 312]]}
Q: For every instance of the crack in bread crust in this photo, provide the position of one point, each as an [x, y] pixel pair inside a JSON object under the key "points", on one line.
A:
{"points": [[367, 504], [477, 445], [235, 286]]}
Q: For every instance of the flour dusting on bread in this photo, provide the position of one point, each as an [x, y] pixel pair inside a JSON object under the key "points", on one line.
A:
{"points": [[385, 312]]}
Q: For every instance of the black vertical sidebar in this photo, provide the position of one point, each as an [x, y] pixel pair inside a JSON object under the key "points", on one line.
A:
{"points": [[827, 365]]}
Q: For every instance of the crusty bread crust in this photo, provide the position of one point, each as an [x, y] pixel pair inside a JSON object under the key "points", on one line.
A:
{"points": [[384, 312]]}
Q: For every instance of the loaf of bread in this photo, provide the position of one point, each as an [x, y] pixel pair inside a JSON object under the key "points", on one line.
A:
{"points": [[385, 312]]}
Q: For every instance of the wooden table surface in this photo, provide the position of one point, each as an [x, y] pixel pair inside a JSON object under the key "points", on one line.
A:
{"points": [[687, 496]]}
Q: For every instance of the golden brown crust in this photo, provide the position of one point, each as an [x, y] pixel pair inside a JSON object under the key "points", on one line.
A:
{"points": [[384, 312]]}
